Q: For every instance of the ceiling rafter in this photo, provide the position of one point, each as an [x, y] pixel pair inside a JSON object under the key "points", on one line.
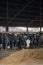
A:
{"points": [[21, 10]]}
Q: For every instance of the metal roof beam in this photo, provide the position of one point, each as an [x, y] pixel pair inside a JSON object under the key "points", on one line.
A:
{"points": [[20, 11]]}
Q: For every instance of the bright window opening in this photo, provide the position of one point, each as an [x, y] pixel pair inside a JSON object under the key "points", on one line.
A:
{"points": [[2, 29], [34, 29], [17, 29], [42, 29]]}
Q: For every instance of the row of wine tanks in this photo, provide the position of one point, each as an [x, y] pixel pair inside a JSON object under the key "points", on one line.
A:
{"points": [[21, 40]]}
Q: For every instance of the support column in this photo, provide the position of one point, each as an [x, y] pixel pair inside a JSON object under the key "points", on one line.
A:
{"points": [[40, 16], [40, 23], [7, 28], [27, 29], [7, 17], [40, 29]]}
